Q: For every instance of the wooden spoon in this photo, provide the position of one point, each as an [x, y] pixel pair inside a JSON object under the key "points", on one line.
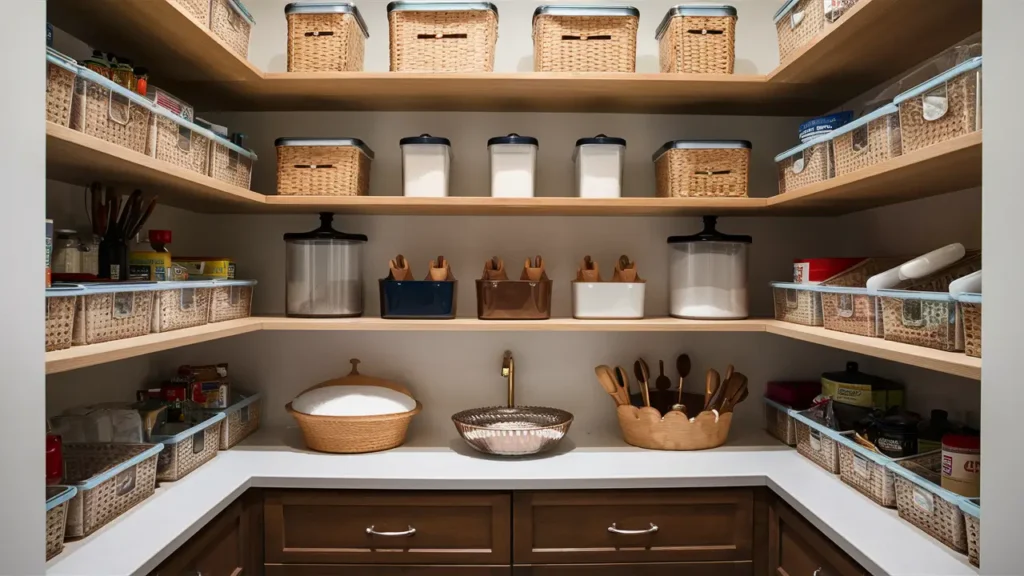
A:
{"points": [[683, 367], [625, 270], [607, 380], [662, 382], [623, 379], [494, 269], [715, 390], [641, 372], [735, 387], [588, 271]]}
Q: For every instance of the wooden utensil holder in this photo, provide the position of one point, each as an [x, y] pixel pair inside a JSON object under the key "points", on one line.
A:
{"points": [[513, 299], [647, 428]]}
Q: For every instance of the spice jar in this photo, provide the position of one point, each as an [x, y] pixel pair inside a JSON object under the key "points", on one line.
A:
{"points": [[67, 258], [961, 464], [896, 435], [141, 80]]}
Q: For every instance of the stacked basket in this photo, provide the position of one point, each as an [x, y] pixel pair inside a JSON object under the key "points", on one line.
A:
{"points": [[585, 38], [325, 37], [698, 40], [442, 36]]}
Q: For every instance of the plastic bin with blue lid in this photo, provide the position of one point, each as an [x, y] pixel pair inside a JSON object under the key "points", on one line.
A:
{"points": [[971, 507], [60, 87], [232, 23], [231, 299], [778, 421], [806, 164], [105, 312], [241, 417], [970, 316], [869, 140], [111, 112], [921, 500], [920, 318], [797, 22], [57, 498], [816, 442], [110, 478], [797, 303], [187, 445], [946, 107]]}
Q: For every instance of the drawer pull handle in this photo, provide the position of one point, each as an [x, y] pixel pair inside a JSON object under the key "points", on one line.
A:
{"points": [[614, 530], [818, 572], [408, 532]]}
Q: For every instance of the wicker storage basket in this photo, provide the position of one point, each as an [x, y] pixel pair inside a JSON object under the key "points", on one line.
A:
{"points": [[797, 23], [698, 40], [241, 418], [867, 471], [174, 142], [232, 23], [57, 498], [817, 443], [971, 507], [187, 446], [646, 428], [325, 37], [231, 163], [355, 434], [922, 502], [970, 314], [199, 10], [797, 303], [778, 422], [110, 112], [60, 321], [442, 36], [323, 166], [178, 306], [60, 86], [231, 299], [852, 310], [807, 164], [943, 108], [702, 168], [110, 478], [867, 141], [585, 38], [111, 312]]}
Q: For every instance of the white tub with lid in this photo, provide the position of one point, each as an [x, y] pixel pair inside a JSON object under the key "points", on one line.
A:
{"points": [[708, 274], [599, 164], [426, 161], [513, 166]]}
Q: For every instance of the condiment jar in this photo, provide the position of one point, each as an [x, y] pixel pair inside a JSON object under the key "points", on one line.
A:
{"points": [[67, 258], [961, 464], [896, 435]]}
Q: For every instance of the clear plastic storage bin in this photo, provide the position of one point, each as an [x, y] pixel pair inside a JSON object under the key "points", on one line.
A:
{"points": [[970, 313], [107, 312], [806, 164], [60, 86], [110, 478], [178, 305], [926, 319], [187, 445], [867, 141], [946, 107], [921, 501], [111, 112], [231, 299]]}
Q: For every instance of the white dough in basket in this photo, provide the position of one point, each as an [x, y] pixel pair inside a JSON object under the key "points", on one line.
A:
{"points": [[352, 401]]}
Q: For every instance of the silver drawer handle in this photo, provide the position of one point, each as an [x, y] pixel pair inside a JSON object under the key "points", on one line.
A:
{"points": [[408, 532], [651, 530], [818, 572]]}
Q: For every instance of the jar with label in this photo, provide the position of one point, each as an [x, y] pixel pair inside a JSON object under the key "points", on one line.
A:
{"points": [[67, 258], [961, 464], [896, 435]]}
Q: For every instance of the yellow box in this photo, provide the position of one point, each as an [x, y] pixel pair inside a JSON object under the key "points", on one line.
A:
{"points": [[207, 268]]}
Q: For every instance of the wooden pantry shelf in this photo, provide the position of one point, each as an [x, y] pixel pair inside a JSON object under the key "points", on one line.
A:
{"points": [[956, 363], [878, 39], [476, 325], [81, 356], [944, 167], [78, 158]]}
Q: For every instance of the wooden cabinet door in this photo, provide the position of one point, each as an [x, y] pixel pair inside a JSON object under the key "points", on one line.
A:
{"points": [[633, 526], [796, 548], [658, 569], [364, 527], [229, 545], [379, 570]]}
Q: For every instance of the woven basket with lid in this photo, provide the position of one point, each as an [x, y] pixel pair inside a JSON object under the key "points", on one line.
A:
{"points": [[585, 38], [698, 40], [442, 36], [323, 166], [702, 168], [325, 37], [355, 434]]}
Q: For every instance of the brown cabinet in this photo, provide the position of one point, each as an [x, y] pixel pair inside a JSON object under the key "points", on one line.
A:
{"points": [[658, 569], [795, 548], [379, 570], [362, 527], [633, 526], [230, 545]]}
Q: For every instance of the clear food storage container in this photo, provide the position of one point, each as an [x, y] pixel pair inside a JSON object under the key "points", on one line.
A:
{"points": [[806, 164], [442, 36], [108, 111], [110, 478], [231, 299], [697, 39], [325, 37], [921, 501], [323, 272], [111, 311], [232, 23], [569, 38], [323, 166], [797, 303], [970, 312], [241, 418], [178, 305], [426, 161], [702, 168], [921, 318], [797, 23], [867, 141], [599, 165], [853, 310], [943, 108], [513, 166], [708, 274], [60, 86], [608, 300], [187, 445]]}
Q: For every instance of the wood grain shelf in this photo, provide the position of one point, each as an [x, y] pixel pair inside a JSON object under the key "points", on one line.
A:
{"points": [[873, 42], [82, 356]]}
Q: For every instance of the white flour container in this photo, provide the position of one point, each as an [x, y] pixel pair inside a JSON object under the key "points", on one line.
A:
{"points": [[513, 166], [708, 274], [425, 164], [599, 162]]}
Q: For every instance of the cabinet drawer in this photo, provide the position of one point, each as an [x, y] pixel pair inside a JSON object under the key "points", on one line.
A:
{"points": [[378, 570], [796, 548], [611, 526], [356, 527], [657, 569]]}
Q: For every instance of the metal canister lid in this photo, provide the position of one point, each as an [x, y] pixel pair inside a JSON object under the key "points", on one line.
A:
{"points": [[326, 142], [325, 232], [585, 10], [701, 145], [601, 139], [425, 139], [440, 7], [328, 8], [710, 234], [689, 10], [513, 139]]}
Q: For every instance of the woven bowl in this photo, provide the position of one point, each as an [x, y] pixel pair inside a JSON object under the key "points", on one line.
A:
{"points": [[354, 434], [519, 431], [646, 428]]}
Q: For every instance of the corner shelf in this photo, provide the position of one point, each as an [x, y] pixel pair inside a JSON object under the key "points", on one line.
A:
{"points": [[82, 356], [873, 42]]}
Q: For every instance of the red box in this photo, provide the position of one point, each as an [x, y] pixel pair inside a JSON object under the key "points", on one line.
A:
{"points": [[815, 270], [797, 395]]}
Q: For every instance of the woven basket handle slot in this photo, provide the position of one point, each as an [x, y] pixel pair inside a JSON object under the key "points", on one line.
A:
{"points": [[440, 36], [704, 31], [859, 139], [935, 104], [121, 112], [913, 313], [598, 37], [184, 139], [711, 172], [318, 34], [845, 306], [313, 166]]}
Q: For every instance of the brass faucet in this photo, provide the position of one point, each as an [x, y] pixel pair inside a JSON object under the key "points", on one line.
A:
{"points": [[508, 370]]}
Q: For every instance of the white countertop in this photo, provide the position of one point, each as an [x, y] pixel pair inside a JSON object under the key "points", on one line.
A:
{"points": [[875, 537]]}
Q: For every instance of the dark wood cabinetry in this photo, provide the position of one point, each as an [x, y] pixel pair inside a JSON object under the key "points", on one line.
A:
{"points": [[795, 548], [230, 545]]}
